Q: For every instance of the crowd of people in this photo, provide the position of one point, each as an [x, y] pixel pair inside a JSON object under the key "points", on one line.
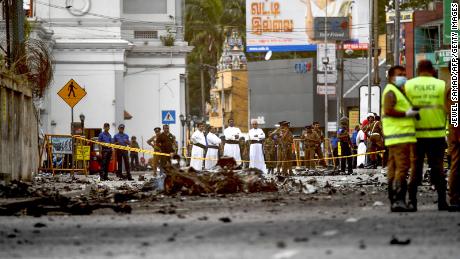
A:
{"points": [[413, 125]]}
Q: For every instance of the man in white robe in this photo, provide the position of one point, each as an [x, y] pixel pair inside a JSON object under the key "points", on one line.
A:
{"points": [[256, 151], [361, 142], [232, 145], [213, 149], [199, 144]]}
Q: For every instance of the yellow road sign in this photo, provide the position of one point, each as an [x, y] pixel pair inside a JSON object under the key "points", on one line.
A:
{"points": [[72, 93], [83, 152]]}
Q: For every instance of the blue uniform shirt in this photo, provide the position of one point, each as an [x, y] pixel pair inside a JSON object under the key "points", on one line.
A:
{"points": [[105, 137], [353, 137], [334, 142], [121, 139]]}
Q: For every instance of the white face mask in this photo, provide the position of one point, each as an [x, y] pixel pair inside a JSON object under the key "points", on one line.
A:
{"points": [[400, 80]]}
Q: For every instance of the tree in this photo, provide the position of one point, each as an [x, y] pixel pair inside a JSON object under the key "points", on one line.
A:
{"points": [[206, 24]]}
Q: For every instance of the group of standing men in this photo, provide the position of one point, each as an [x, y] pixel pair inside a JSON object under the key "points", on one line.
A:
{"points": [[162, 142], [415, 115], [266, 152]]}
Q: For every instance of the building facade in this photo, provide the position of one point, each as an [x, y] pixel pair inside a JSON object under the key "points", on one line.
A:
{"points": [[129, 55]]}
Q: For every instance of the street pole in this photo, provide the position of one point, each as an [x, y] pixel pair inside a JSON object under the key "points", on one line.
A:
{"points": [[223, 102], [326, 113], [369, 49], [340, 109], [8, 36], [203, 103], [376, 44], [396, 31], [18, 29]]}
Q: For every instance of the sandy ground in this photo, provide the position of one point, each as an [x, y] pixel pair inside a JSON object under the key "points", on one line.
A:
{"points": [[344, 223]]}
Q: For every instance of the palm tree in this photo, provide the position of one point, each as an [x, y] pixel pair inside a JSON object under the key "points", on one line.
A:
{"points": [[206, 24]]}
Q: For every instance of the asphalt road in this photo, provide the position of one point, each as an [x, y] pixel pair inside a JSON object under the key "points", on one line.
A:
{"points": [[345, 224]]}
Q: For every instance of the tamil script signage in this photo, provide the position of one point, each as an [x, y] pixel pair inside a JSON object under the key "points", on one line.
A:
{"points": [[289, 25]]}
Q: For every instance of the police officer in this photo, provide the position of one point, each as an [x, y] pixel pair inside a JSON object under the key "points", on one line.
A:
{"points": [[319, 140], [152, 142], [166, 141], [105, 137], [122, 139], [345, 146], [427, 93], [310, 139], [399, 134]]}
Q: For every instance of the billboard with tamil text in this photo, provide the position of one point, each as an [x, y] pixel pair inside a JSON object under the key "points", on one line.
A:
{"points": [[289, 25]]}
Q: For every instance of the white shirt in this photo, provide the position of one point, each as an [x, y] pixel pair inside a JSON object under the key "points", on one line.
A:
{"points": [[231, 133], [213, 140], [256, 134], [198, 137]]}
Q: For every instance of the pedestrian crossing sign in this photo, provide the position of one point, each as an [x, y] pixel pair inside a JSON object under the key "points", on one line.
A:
{"points": [[168, 117], [72, 93]]}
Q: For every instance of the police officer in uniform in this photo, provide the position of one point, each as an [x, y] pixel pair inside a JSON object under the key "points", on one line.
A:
{"points": [[427, 93], [166, 142], [345, 146], [152, 142], [399, 134], [122, 155], [310, 139], [286, 140], [105, 137], [320, 138]]}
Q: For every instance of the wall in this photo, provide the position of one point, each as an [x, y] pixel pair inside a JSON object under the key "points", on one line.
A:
{"points": [[18, 131], [279, 93]]}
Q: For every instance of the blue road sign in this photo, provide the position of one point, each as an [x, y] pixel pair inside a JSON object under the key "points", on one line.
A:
{"points": [[168, 117]]}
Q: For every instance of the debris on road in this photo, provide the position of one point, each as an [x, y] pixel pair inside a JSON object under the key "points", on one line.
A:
{"points": [[395, 241]]}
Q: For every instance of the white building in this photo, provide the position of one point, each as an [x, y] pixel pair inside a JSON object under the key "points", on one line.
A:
{"points": [[113, 49]]}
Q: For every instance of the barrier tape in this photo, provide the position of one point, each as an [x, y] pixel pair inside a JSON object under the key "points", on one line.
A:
{"points": [[126, 148], [152, 152]]}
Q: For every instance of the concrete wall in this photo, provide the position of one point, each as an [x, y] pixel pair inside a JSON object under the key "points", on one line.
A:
{"points": [[18, 131], [279, 93]]}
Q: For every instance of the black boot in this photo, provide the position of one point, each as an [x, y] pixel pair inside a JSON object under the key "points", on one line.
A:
{"points": [[412, 204], [399, 197], [129, 177], [442, 203]]}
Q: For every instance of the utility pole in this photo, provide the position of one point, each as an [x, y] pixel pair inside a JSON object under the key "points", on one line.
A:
{"points": [[203, 102], [222, 100], [340, 56], [369, 65], [326, 113], [18, 29], [6, 10], [376, 43], [396, 31]]}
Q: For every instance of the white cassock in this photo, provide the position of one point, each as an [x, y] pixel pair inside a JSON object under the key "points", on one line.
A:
{"points": [[361, 148], [197, 152], [213, 153], [232, 150], [256, 151]]}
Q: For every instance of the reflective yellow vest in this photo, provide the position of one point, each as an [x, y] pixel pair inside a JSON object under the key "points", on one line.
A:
{"points": [[428, 94], [397, 130]]}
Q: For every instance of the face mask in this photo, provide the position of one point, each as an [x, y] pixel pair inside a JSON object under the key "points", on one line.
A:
{"points": [[400, 80]]}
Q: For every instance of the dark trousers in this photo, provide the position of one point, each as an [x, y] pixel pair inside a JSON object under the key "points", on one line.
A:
{"points": [[106, 157], [454, 175], [346, 151], [134, 160], [122, 157], [355, 158], [433, 148]]}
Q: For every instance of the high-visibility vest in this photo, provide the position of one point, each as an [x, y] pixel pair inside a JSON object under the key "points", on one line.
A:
{"points": [[428, 94], [397, 130]]}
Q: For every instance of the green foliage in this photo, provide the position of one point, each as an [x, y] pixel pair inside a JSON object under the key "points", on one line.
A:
{"points": [[206, 24]]}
